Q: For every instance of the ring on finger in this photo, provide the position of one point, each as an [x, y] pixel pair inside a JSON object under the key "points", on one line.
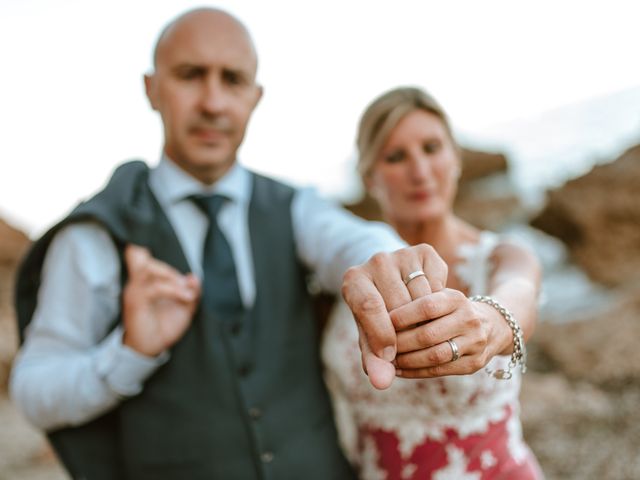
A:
{"points": [[412, 275], [455, 352]]}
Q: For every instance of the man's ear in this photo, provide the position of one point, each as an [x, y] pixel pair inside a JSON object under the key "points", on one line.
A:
{"points": [[259, 93], [149, 88]]}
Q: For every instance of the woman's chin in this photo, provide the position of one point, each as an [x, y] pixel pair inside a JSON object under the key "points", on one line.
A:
{"points": [[425, 213]]}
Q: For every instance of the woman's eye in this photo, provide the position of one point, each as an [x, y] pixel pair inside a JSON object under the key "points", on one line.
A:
{"points": [[431, 147], [394, 157]]}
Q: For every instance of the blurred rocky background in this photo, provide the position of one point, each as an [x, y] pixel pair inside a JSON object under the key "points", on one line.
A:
{"points": [[580, 397], [24, 453], [581, 394]]}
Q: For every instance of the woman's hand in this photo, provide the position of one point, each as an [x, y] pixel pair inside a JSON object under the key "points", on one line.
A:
{"points": [[478, 331]]}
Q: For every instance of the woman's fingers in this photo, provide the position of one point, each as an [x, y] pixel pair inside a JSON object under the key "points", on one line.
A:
{"points": [[457, 342], [463, 366], [438, 354], [428, 307]]}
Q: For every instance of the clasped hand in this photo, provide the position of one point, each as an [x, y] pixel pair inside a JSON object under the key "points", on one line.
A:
{"points": [[404, 327]]}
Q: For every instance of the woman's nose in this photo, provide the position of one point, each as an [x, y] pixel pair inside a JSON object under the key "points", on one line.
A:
{"points": [[420, 168]]}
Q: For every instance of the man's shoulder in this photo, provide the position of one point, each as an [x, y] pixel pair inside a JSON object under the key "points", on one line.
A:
{"points": [[267, 188], [125, 181]]}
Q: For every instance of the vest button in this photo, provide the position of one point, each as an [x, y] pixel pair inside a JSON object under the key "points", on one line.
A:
{"points": [[235, 328], [255, 413], [244, 370], [266, 457]]}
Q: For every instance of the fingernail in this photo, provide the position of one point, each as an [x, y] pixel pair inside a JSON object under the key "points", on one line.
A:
{"points": [[389, 353]]}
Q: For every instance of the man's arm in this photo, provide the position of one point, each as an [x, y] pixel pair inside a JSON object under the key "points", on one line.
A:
{"points": [[72, 368], [331, 240]]}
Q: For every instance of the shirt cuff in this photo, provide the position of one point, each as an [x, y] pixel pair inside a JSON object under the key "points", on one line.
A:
{"points": [[123, 369]]}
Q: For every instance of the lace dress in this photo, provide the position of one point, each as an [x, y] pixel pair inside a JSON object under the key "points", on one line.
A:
{"points": [[457, 427]]}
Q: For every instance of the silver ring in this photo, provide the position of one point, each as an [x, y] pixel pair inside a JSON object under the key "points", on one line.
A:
{"points": [[455, 353], [412, 275]]}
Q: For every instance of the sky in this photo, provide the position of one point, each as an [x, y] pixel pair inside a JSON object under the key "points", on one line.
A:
{"points": [[72, 103]]}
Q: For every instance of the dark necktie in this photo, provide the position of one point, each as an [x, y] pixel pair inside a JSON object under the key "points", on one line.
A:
{"points": [[220, 290]]}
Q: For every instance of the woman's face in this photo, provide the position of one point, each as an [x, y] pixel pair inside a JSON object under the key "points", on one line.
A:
{"points": [[415, 174]]}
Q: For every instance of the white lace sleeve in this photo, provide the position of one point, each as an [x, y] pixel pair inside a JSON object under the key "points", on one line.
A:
{"points": [[475, 268]]}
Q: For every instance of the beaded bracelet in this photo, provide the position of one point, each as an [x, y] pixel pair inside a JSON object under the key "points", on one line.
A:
{"points": [[519, 355]]}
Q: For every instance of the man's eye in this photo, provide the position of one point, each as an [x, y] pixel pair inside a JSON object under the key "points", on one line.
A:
{"points": [[232, 78], [190, 73]]}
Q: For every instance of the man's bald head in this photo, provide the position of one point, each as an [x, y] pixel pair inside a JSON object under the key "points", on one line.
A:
{"points": [[204, 88], [203, 18]]}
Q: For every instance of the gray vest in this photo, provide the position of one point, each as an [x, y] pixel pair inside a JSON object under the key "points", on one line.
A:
{"points": [[242, 397]]}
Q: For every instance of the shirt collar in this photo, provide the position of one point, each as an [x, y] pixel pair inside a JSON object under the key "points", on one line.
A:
{"points": [[172, 184]]}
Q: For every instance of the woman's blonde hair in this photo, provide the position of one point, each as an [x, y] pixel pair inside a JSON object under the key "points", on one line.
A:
{"points": [[384, 113]]}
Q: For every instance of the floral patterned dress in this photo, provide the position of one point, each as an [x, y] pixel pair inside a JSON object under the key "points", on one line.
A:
{"points": [[449, 428]]}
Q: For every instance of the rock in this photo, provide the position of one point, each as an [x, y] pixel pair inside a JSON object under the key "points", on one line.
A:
{"points": [[13, 245], [476, 164], [598, 217], [578, 430], [489, 203], [24, 451], [603, 349]]}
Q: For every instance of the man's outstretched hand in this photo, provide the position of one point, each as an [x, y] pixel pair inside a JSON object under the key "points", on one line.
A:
{"points": [[375, 288]]}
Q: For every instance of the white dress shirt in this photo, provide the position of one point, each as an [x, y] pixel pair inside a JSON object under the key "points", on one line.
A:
{"points": [[71, 369]]}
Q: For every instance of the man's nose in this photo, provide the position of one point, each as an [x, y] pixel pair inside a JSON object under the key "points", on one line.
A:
{"points": [[214, 98]]}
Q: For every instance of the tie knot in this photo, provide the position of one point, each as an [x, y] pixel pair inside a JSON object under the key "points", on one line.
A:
{"points": [[209, 204]]}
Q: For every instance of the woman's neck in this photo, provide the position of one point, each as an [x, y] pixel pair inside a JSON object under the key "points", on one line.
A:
{"points": [[445, 234], [435, 232]]}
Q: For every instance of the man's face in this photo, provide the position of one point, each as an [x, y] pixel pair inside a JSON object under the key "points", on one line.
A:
{"points": [[204, 89]]}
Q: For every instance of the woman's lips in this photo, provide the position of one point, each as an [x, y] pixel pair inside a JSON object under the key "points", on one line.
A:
{"points": [[419, 196]]}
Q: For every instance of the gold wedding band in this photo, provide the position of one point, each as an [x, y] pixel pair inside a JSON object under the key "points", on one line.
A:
{"points": [[412, 275]]}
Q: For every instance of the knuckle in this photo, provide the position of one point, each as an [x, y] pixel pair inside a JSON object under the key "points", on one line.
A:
{"points": [[426, 249], [429, 253], [396, 319], [426, 306], [457, 295], [349, 277], [483, 337], [474, 322], [404, 361], [349, 280], [380, 259], [424, 336], [368, 305], [438, 356]]}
